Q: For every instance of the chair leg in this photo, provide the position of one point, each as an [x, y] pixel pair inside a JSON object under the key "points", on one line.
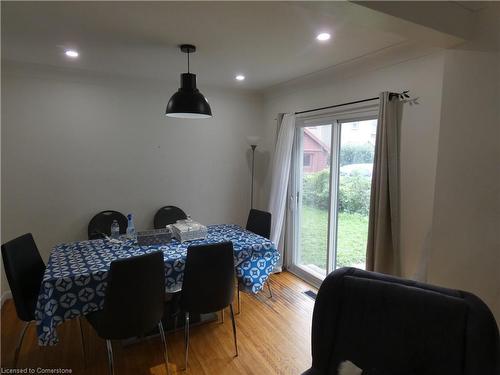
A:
{"points": [[164, 340], [239, 302], [186, 341], [234, 329], [19, 343], [83, 343], [269, 286], [110, 357], [175, 321]]}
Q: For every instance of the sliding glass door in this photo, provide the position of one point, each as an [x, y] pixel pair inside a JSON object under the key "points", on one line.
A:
{"points": [[331, 181], [314, 194]]}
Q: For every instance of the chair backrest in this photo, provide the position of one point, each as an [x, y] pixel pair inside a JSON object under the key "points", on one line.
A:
{"points": [[100, 224], [209, 278], [168, 215], [135, 296], [24, 269], [388, 325], [259, 222]]}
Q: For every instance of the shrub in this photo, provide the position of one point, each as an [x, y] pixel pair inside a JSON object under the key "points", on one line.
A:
{"points": [[315, 189], [356, 154], [354, 192]]}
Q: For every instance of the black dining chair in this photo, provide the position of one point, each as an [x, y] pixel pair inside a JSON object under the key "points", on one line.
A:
{"points": [[134, 301], [208, 284], [258, 222], [24, 269], [168, 215], [100, 224]]}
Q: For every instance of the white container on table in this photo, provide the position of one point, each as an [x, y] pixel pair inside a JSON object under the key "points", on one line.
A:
{"points": [[188, 230]]}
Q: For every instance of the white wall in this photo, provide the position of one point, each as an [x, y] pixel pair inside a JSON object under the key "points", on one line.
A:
{"points": [[465, 251], [74, 144], [420, 130]]}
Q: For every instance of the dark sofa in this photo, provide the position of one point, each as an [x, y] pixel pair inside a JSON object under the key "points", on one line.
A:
{"points": [[391, 326]]}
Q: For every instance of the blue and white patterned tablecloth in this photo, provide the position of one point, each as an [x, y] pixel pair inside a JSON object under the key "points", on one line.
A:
{"points": [[74, 283]]}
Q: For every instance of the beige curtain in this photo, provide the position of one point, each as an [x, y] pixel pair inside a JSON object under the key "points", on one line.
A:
{"points": [[383, 248]]}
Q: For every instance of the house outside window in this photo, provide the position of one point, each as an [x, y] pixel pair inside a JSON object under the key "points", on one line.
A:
{"points": [[307, 160], [316, 155]]}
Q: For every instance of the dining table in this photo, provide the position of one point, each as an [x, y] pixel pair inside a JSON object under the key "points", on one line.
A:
{"points": [[75, 279]]}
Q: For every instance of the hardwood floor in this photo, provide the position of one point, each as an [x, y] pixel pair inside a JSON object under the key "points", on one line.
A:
{"points": [[274, 337]]}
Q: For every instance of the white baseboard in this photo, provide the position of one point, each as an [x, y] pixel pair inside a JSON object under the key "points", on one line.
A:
{"points": [[5, 296]]}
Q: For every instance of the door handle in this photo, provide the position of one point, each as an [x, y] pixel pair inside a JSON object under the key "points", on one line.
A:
{"points": [[294, 201]]}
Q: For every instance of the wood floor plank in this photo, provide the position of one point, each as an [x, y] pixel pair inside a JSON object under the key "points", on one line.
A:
{"points": [[274, 337]]}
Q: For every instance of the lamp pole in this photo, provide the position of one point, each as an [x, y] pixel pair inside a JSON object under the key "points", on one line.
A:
{"points": [[253, 164]]}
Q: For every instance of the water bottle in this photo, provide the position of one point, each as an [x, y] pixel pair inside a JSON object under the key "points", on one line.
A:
{"points": [[130, 227], [115, 229]]}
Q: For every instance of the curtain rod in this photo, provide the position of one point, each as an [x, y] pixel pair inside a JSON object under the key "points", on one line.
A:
{"points": [[401, 95]]}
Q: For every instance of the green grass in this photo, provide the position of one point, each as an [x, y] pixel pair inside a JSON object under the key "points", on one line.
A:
{"points": [[352, 236]]}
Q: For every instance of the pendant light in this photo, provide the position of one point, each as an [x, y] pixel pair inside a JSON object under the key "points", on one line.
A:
{"points": [[188, 101]]}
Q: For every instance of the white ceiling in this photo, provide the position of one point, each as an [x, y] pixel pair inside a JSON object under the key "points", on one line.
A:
{"points": [[473, 5], [268, 42]]}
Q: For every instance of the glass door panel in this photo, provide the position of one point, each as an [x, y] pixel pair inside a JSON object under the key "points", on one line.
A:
{"points": [[330, 191], [357, 146], [314, 198]]}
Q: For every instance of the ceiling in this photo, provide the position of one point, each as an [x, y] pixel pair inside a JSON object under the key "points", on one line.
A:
{"points": [[268, 42], [473, 6]]}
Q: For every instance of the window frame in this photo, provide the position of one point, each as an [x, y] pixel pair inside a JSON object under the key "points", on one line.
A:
{"points": [[292, 237]]}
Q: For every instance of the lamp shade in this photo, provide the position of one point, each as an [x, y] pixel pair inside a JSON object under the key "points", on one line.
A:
{"points": [[253, 140], [188, 101]]}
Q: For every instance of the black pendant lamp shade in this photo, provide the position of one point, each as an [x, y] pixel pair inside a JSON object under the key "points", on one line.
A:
{"points": [[188, 101]]}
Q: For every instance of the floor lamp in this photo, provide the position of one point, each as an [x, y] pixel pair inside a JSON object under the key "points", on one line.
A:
{"points": [[253, 141]]}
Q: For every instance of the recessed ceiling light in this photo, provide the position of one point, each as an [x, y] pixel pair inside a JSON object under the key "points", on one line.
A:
{"points": [[240, 77], [323, 37], [71, 53]]}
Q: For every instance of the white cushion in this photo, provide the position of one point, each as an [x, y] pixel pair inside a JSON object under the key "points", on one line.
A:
{"points": [[349, 368]]}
